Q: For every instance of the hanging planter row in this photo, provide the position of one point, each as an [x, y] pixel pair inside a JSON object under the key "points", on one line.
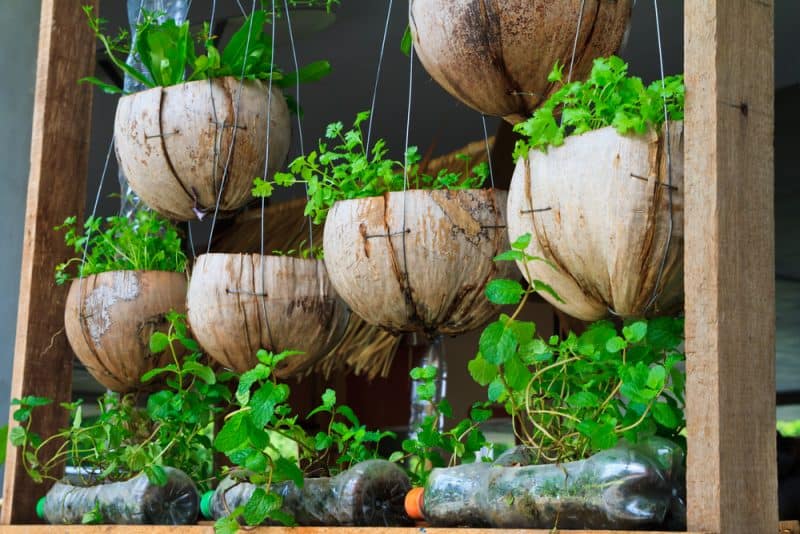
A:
{"points": [[409, 252]]}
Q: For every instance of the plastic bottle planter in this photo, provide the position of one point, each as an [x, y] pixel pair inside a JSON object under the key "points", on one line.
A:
{"points": [[368, 494], [174, 143], [628, 487], [236, 308], [447, 251], [598, 209], [134, 502], [110, 316], [495, 55]]}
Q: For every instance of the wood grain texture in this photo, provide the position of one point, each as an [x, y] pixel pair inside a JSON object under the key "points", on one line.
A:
{"points": [[110, 316], [239, 303], [418, 261], [56, 190], [495, 55], [174, 143], [598, 210], [729, 264]]}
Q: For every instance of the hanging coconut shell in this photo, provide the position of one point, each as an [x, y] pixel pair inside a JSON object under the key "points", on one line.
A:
{"points": [[418, 261], [495, 55], [175, 143], [597, 208], [240, 303], [110, 316]]}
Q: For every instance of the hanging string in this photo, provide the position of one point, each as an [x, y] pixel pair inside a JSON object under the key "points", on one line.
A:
{"points": [[191, 240], [262, 258], [405, 164], [235, 128], [378, 77], [662, 266], [299, 120], [575, 41], [488, 149]]}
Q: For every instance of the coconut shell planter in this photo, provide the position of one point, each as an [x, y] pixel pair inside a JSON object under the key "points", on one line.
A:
{"points": [[240, 303], [418, 261], [495, 56], [110, 316], [598, 208], [175, 143]]}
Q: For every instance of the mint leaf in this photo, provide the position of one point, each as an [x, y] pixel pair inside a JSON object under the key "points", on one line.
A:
{"points": [[504, 292]]}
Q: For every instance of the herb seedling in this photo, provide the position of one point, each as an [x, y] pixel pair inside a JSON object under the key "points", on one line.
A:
{"points": [[123, 440], [609, 97], [573, 397], [147, 243], [342, 169], [430, 445], [167, 51]]}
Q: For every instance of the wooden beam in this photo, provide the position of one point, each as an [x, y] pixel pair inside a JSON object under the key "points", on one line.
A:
{"points": [[730, 266], [56, 189]]}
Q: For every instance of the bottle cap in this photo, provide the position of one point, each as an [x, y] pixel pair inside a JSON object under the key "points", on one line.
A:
{"points": [[40, 508], [205, 504], [413, 504]]}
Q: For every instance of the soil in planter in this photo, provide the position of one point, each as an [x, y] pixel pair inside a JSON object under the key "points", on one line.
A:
{"points": [[627, 487], [370, 493], [137, 501]]}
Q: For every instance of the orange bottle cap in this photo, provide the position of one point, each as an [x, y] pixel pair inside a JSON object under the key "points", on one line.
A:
{"points": [[413, 504]]}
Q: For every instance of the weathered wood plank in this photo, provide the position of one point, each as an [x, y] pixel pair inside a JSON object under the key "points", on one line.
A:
{"points": [[56, 189], [729, 263]]}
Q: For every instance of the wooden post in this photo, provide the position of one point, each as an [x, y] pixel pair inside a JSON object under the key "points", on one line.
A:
{"points": [[729, 264], [56, 189]]}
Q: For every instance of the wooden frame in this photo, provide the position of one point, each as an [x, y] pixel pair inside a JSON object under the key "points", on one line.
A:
{"points": [[729, 259]]}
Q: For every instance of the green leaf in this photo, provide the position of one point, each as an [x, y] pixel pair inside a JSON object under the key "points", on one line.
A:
{"points": [[17, 436], [287, 470], [522, 242], [635, 332], [232, 435], [497, 343], [615, 344], [396, 456], [602, 436], [156, 475], [329, 398], [480, 415], [309, 73], [259, 507], [106, 87], [665, 415], [228, 524], [406, 42], [656, 377], [159, 342], [542, 287], [204, 373], [504, 292], [482, 371], [517, 374], [497, 390], [583, 399]]}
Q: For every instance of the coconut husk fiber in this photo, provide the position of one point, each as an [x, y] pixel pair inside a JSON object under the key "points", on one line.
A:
{"points": [[364, 349]]}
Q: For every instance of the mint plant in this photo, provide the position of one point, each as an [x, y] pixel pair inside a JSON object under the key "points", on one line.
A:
{"points": [[570, 398], [167, 51], [124, 440], [609, 97], [147, 242], [432, 447], [253, 438], [341, 168]]}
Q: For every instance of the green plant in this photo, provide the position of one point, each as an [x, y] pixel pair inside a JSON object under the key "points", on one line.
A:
{"points": [[430, 445], [341, 169], [167, 51], [609, 97], [302, 251], [147, 242], [572, 397], [253, 437], [173, 429]]}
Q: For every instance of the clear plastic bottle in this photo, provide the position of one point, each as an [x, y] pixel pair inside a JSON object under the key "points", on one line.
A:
{"points": [[627, 487], [370, 493], [170, 9], [133, 502]]}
